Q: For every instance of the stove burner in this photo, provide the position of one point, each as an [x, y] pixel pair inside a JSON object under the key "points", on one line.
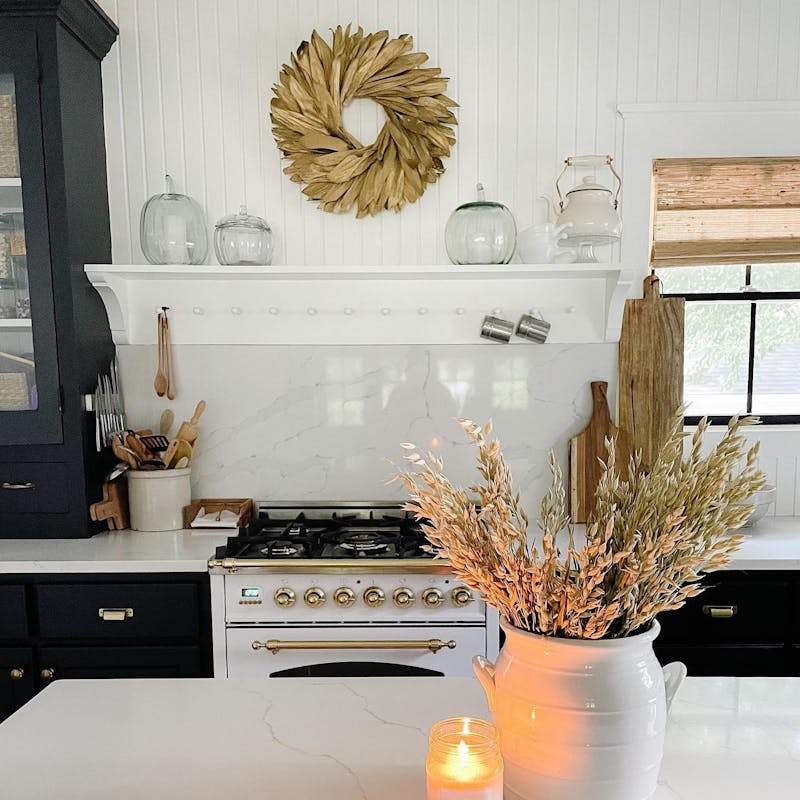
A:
{"points": [[366, 541], [310, 534]]}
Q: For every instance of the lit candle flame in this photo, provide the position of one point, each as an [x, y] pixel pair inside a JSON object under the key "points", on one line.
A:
{"points": [[463, 752], [465, 729]]}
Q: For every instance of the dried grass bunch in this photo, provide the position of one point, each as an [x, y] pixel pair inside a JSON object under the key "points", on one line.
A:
{"points": [[647, 544], [338, 170]]}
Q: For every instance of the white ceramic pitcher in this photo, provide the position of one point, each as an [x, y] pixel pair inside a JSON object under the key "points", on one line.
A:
{"points": [[579, 719]]}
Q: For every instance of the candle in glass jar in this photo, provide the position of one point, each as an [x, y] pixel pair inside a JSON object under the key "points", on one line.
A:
{"points": [[464, 761]]}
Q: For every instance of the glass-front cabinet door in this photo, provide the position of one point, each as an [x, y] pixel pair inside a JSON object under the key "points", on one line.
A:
{"points": [[29, 385]]}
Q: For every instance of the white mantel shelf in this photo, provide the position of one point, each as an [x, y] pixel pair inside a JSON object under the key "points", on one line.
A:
{"points": [[356, 739], [317, 305]]}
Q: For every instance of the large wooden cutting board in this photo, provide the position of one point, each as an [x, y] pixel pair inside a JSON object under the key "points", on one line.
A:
{"points": [[588, 449], [650, 368]]}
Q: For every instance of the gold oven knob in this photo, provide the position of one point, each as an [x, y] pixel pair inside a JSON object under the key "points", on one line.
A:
{"points": [[403, 597], [16, 674], [344, 597], [284, 597], [374, 596], [432, 598], [461, 596], [47, 674], [314, 596]]}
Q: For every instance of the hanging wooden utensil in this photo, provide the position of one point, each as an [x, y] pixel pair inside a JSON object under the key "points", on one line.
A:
{"points": [[160, 382], [588, 449], [650, 368], [168, 359]]}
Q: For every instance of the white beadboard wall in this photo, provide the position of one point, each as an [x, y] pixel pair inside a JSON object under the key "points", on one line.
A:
{"points": [[188, 86], [187, 90]]}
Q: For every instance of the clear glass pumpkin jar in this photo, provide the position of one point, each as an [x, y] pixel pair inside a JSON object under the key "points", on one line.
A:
{"points": [[481, 232], [172, 228], [243, 240]]}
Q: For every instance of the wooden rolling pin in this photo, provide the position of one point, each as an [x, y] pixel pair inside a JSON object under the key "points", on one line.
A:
{"points": [[188, 431]]}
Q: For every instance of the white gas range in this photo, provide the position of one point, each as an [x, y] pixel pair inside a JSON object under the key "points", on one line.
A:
{"points": [[341, 590]]}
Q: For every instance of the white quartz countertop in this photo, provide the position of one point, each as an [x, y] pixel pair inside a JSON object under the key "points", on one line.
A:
{"points": [[117, 551], [773, 544], [355, 739]]}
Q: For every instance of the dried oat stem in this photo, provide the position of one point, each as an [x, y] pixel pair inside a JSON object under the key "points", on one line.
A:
{"points": [[647, 544]]}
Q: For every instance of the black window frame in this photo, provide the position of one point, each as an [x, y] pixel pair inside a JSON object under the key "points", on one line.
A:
{"points": [[754, 296]]}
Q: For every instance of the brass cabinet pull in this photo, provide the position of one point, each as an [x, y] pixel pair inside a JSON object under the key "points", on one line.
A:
{"points": [[276, 645], [47, 674], [720, 612], [114, 614], [12, 485], [16, 674]]}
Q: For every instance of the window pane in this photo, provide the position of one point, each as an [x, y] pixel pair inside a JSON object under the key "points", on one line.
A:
{"points": [[775, 277], [776, 378], [715, 358], [702, 280]]}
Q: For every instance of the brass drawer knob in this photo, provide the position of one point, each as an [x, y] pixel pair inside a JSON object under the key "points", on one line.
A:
{"points": [[114, 614], [16, 674], [720, 612], [47, 674]]}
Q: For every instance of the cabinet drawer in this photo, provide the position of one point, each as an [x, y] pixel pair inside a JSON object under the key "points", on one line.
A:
{"points": [[13, 613], [121, 662], [740, 660], [132, 610], [33, 487], [746, 611]]}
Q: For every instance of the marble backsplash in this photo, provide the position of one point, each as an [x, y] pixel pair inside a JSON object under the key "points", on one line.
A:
{"points": [[317, 423]]}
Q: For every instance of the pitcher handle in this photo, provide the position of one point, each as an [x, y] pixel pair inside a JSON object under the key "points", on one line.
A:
{"points": [[484, 669], [674, 673]]}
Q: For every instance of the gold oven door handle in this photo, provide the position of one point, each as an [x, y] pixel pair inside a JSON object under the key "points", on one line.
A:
{"points": [[114, 614], [720, 612], [433, 645]]}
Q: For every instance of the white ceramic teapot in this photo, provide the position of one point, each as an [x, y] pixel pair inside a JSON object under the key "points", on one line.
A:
{"points": [[590, 208]]}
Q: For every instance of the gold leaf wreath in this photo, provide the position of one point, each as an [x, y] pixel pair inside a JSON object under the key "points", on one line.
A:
{"points": [[337, 170]]}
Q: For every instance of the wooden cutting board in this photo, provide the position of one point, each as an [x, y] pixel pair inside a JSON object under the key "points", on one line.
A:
{"points": [[588, 449], [650, 368]]}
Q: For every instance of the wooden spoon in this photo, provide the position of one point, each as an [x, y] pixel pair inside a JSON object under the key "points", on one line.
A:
{"points": [[165, 423], [168, 358], [160, 382], [188, 430]]}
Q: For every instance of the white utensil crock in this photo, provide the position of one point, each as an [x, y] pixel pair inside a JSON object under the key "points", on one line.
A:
{"points": [[156, 499], [579, 719]]}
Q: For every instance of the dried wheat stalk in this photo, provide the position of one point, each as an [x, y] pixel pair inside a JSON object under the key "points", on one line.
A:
{"points": [[651, 538], [337, 170]]}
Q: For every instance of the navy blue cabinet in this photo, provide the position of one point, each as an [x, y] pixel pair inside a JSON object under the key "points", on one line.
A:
{"points": [[54, 334]]}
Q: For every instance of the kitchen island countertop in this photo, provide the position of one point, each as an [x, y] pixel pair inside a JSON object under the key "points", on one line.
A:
{"points": [[347, 739], [774, 544]]}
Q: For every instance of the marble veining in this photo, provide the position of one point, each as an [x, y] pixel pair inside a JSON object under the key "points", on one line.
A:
{"points": [[303, 423], [336, 739]]}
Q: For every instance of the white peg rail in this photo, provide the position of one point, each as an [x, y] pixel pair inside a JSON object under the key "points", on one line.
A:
{"points": [[359, 305]]}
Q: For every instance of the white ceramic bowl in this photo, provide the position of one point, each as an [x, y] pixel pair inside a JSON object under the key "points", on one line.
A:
{"points": [[761, 501]]}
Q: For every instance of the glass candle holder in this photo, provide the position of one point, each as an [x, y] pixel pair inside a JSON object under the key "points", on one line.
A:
{"points": [[464, 761]]}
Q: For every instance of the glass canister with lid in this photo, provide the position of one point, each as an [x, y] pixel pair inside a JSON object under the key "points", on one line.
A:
{"points": [[243, 240]]}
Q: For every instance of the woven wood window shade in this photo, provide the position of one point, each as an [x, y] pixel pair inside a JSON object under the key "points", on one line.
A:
{"points": [[725, 211]]}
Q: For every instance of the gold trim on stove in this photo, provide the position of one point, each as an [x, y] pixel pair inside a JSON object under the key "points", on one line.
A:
{"points": [[341, 566]]}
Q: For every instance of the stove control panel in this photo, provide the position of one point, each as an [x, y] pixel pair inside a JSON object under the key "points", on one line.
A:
{"points": [[321, 597]]}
